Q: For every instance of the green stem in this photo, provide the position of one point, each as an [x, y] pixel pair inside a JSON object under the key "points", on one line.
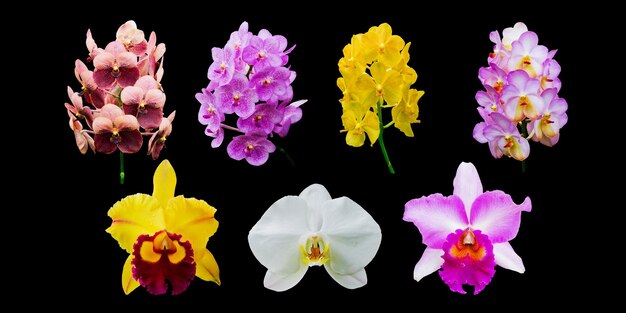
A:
{"points": [[389, 124], [283, 151], [380, 137], [524, 134], [122, 168]]}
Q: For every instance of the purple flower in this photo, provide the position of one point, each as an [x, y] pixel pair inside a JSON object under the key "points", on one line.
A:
{"points": [[264, 118], [492, 76], [467, 234], [272, 84], [521, 96], [222, 69], [209, 114], [489, 101], [291, 114], [236, 96], [506, 137], [527, 55], [238, 41], [551, 71], [218, 136], [265, 52], [255, 148], [546, 129]]}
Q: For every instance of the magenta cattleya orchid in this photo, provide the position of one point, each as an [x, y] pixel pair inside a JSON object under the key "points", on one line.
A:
{"points": [[521, 84], [467, 234], [145, 101], [250, 78], [127, 75]]}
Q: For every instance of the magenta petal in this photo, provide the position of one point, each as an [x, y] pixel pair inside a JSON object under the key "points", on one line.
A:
{"points": [[463, 265], [436, 216], [497, 216], [258, 156]]}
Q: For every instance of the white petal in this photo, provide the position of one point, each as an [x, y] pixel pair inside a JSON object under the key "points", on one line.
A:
{"points": [[315, 196], [352, 281], [279, 282], [467, 185], [353, 235], [274, 239], [506, 257], [430, 261]]}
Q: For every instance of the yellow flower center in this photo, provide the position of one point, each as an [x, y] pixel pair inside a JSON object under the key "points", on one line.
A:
{"points": [[523, 100], [236, 97], [222, 66], [509, 141], [267, 81], [261, 54], [379, 90], [258, 117], [498, 86], [314, 251], [250, 147]]}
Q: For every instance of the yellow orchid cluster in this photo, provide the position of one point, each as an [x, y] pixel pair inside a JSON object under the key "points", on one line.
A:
{"points": [[376, 75]]}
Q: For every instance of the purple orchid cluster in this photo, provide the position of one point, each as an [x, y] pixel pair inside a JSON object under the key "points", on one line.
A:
{"points": [[249, 77], [125, 94], [520, 100]]}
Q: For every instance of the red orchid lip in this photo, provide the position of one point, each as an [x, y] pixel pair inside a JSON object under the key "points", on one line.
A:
{"points": [[163, 259]]}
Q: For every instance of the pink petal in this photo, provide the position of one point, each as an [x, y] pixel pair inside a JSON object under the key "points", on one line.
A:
{"points": [[110, 111], [430, 261], [467, 185], [436, 216], [104, 78], [132, 95], [126, 59], [128, 76], [126, 122], [102, 125], [151, 118], [115, 48], [103, 61], [155, 98], [507, 258], [79, 67], [497, 216], [146, 83]]}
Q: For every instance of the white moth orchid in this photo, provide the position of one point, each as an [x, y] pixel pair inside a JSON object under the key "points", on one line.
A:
{"points": [[313, 229]]}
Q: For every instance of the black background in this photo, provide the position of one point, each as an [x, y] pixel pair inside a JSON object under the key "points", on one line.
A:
{"points": [[447, 50]]}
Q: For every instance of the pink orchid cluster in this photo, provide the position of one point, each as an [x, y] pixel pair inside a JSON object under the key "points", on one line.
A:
{"points": [[125, 94], [520, 100], [250, 78]]}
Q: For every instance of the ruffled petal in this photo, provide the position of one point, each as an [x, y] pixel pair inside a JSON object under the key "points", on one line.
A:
{"points": [[133, 216], [193, 219], [436, 216], [497, 216]]}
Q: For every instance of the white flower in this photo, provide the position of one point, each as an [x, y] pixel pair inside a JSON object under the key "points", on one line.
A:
{"points": [[313, 229]]}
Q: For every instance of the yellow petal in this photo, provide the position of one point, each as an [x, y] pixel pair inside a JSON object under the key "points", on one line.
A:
{"points": [[128, 282], [132, 216], [393, 87], [206, 268], [164, 182], [371, 126], [355, 138], [191, 218], [348, 119]]}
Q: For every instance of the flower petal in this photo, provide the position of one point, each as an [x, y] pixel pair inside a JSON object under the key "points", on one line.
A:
{"points": [[164, 182], [315, 196], [128, 282], [430, 261], [350, 281], [275, 238], [133, 216], [206, 267], [353, 235], [436, 216], [278, 282], [467, 185], [507, 258], [497, 216], [193, 219], [132, 95]]}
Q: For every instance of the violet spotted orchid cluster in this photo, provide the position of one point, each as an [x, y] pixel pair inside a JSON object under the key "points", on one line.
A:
{"points": [[250, 78], [520, 100], [121, 100]]}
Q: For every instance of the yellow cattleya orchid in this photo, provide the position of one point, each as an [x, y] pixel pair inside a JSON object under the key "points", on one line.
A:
{"points": [[406, 112], [166, 237]]}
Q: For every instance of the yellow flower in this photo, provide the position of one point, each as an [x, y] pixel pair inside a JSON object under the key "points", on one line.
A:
{"points": [[407, 111], [353, 57], [166, 237], [380, 42], [409, 75], [357, 125]]}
